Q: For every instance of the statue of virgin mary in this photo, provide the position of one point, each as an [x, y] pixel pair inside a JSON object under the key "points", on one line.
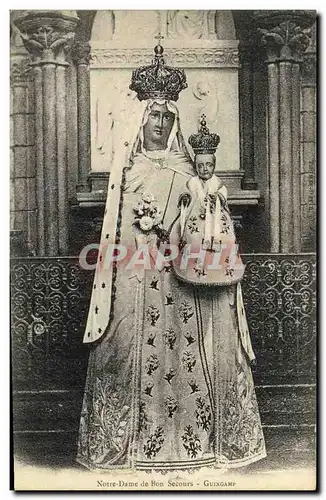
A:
{"points": [[169, 384]]}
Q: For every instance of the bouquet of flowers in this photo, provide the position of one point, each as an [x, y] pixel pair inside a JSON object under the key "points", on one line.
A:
{"points": [[148, 215]]}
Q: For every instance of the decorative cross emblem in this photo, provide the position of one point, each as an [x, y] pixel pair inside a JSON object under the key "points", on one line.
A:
{"points": [[159, 37]]}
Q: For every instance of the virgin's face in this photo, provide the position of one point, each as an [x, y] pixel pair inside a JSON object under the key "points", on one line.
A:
{"points": [[205, 166], [158, 127]]}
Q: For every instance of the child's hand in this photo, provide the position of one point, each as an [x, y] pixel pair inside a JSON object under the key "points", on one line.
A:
{"points": [[163, 235]]}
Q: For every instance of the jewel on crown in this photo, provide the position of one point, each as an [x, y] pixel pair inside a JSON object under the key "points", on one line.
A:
{"points": [[158, 80], [204, 142]]}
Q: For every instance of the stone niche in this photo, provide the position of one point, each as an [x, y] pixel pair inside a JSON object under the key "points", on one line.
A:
{"points": [[204, 44], [201, 42]]}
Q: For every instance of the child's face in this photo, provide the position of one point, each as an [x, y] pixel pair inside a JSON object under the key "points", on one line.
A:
{"points": [[205, 166]]}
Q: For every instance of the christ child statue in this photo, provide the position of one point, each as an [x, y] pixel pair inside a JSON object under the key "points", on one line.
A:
{"points": [[204, 232]]}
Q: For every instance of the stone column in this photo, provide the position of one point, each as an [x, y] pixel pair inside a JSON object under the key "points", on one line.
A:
{"points": [[18, 85], [47, 35], [273, 152], [22, 170], [246, 114], [286, 37], [81, 54]]}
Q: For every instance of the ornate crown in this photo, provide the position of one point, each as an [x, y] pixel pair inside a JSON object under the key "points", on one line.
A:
{"points": [[204, 142], [158, 80]]}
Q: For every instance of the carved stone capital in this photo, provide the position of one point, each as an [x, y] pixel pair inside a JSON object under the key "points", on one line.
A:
{"points": [[285, 34], [46, 33], [81, 53], [271, 18], [285, 41]]}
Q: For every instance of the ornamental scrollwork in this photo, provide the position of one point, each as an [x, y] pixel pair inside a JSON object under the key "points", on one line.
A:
{"points": [[280, 300], [35, 329], [50, 299], [188, 57]]}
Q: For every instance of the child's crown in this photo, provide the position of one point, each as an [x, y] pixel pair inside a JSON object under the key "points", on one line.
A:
{"points": [[204, 142]]}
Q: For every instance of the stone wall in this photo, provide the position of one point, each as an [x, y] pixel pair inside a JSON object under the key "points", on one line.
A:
{"points": [[308, 113]]}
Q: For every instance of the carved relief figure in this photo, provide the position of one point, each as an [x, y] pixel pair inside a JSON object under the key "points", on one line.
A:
{"points": [[188, 24], [206, 95], [107, 117]]}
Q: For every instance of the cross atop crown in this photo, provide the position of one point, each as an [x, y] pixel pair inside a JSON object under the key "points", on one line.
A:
{"points": [[159, 37]]}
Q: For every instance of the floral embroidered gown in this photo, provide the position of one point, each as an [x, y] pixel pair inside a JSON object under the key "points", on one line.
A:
{"points": [[169, 385]]}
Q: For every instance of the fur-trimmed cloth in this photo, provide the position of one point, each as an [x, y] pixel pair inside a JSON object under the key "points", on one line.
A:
{"points": [[205, 235]]}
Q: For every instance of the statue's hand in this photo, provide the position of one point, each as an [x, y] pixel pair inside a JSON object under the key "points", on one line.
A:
{"points": [[184, 199], [253, 363]]}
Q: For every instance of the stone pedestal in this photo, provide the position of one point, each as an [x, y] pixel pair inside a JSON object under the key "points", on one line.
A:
{"points": [[48, 35], [285, 35], [87, 213]]}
